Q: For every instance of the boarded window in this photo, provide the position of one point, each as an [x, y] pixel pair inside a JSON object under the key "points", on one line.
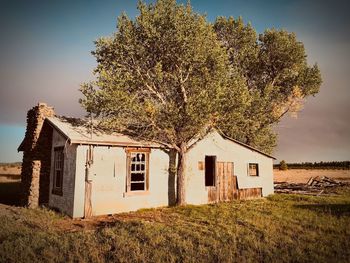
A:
{"points": [[138, 171], [58, 170], [210, 170], [253, 169]]}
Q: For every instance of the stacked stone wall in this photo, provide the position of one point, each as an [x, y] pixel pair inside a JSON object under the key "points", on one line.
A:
{"points": [[36, 163]]}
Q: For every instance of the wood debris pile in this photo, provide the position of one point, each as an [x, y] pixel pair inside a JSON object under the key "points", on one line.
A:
{"points": [[315, 186]]}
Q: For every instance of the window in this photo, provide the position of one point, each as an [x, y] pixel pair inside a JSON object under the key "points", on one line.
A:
{"points": [[210, 170], [253, 169], [138, 170], [58, 170]]}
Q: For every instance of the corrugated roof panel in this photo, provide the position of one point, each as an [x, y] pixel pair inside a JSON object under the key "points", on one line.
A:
{"points": [[78, 131]]}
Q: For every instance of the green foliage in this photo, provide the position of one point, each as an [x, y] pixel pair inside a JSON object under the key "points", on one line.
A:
{"points": [[159, 77], [283, 165], [281, 228], [276, 73], [170, 76], [167, 76], [164, 77]]}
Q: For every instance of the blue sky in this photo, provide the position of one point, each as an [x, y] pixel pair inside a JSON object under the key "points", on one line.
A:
{"points": [[45, 54]]}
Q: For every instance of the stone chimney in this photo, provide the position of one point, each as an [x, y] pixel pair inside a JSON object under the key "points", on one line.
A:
{"points": [[36, 164]]}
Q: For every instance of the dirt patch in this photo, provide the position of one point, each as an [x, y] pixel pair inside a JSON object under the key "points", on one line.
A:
{"points": [[150, 216]]}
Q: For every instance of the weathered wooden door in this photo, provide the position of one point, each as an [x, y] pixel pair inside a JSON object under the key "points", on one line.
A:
{"points": [[225, 188]]}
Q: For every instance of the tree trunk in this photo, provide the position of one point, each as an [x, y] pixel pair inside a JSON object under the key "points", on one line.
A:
{"points": [[172, 177], [181, 165]]}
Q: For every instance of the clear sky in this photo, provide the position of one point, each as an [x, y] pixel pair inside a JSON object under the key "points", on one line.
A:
{"points": [[45, 54]]}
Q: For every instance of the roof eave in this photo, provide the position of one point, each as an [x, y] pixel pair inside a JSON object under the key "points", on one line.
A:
{"points": [[102, 143], [21, 146], [111, 143]]}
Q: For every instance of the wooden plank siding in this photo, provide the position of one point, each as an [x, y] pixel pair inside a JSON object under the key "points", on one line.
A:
{"points": [[249, 193], [226, 186]]}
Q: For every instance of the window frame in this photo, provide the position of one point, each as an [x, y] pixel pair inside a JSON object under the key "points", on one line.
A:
{"points": [[256, 168], [58, 190], [129, 153]]}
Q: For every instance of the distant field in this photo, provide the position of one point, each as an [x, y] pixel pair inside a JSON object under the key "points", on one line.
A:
{"points": [[303, 175], [8, 169]]}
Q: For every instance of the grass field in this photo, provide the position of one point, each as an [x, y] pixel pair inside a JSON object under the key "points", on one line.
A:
{"points": [[280, 228], [14, 168]]}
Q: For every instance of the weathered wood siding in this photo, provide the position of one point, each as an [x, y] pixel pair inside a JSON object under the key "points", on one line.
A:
{"points": [[249, 193], [226, 188]]}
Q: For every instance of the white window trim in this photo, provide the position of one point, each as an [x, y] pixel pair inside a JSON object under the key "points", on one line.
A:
{"points": [[129, 152]]}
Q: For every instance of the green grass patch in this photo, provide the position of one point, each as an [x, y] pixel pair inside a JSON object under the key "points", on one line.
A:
{"points": [[280, 228]]}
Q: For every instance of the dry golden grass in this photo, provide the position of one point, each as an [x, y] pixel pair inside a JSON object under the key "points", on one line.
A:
{"points": [[7, 169], [280, 228], [10, 173], [303, 175]]}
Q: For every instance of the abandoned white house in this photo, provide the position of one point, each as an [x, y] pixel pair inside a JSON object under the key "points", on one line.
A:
{"points": [[83, 174]]}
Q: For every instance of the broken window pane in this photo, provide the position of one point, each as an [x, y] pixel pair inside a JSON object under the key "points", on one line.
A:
{"points": [[138, 171], [137, 177], [137, 186]]}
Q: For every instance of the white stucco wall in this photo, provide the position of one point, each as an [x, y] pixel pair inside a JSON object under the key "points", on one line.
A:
{"points": [[64, 202], [109, 175], [109, 182], [226, 151]]}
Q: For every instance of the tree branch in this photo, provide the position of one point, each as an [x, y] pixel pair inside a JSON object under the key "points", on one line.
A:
{"points": [[152, 87], [184, 93], [182, 82]]}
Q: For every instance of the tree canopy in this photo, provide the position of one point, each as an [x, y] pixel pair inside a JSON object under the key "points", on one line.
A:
{"points": [[159, 77], [169, 76], [274, 67]]}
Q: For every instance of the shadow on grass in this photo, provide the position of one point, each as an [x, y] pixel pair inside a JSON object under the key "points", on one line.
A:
{"points": [[10, 193], [333, 209]]}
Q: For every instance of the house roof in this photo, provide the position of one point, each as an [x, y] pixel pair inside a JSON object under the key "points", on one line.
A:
{"points": [[78, 131]]}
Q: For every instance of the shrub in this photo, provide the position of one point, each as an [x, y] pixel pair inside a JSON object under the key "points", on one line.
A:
{"points": [[283, 165]]}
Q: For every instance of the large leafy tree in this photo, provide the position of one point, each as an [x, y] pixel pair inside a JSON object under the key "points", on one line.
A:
{"points": [[161, 77], [169, 76], [276, 73]]}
